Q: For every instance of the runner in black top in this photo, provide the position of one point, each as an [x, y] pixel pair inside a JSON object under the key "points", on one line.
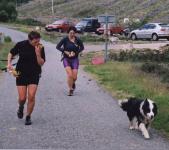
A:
{"points": [[70, 47], [31, 58]]}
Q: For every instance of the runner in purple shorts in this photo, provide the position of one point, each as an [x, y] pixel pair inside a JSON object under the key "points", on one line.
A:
{"points": [[70, 47]]}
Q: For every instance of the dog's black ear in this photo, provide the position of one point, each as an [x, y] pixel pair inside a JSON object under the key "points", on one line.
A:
{"points": [[155, 109]]}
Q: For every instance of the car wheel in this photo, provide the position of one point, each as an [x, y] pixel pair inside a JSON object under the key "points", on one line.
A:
{"points": [[133, 36], [60, 30], [111, 33], [98, 33], [155, 37], [47, 30], [82, 31], [122, 33]]}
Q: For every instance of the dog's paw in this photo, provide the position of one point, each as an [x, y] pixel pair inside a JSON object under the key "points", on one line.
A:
{"points": [[131, 127], [147, 137]]}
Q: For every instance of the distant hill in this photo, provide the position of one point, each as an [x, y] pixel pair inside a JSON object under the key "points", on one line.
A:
{"points": [[151, 10]]}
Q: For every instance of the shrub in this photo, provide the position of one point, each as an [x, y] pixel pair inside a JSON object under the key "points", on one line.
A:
{"points": [[29, 21], [141, 55], [160, 69], [7, 11], [150, 67], [3, 16], [7, 39]]}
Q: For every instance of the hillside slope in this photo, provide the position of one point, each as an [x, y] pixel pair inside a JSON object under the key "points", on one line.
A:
{"points": [[153, 10]]}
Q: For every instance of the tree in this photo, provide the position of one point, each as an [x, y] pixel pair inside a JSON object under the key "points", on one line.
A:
{"points": [[8, 10], [3, 16], [11, 10]]}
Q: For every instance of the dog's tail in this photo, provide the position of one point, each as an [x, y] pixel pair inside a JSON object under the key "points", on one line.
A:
{"points": [[124, 104]]}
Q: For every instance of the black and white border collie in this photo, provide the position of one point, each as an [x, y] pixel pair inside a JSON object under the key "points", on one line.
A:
{"points": [[142, 111]]}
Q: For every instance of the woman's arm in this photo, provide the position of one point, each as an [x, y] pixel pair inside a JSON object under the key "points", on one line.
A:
{"points": [[9, 65], [81, 46], [60, 45]]}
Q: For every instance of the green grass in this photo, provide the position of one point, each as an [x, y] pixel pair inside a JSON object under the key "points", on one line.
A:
{"points": [[124, 79], [4, 50], [88, 38]]}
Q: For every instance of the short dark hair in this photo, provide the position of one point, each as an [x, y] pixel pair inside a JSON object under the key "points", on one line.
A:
{"points": [[34, 35], [72, 28]]}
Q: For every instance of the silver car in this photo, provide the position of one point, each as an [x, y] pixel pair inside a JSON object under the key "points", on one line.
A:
{"points": [[153, 31]]}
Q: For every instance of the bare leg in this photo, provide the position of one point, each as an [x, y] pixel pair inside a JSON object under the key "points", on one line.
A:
{"points": [[31, 98], [75, 72], [22, 91], [70, 79]]}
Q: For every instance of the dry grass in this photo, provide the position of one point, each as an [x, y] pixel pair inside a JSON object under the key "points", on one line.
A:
{"points": [[156, 10]]}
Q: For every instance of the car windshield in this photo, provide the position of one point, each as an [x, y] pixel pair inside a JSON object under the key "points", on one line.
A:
{"points": [[144, 26], [164, 25], [83, 23], [109, 25], [59, 22]]}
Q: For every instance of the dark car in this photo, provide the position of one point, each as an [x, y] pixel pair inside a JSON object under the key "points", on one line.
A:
{"points": [[59, 25], [88, 25]]}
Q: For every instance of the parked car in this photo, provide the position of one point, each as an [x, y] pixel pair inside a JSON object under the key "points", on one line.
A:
{"points": [[112, 29], [59, 25], [153, 31], [87, 25]]}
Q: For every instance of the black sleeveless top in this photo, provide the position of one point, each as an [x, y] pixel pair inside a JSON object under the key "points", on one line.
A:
{"points": [[27, 63]]}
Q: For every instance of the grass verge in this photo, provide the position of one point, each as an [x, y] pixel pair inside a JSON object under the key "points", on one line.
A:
{"points": [[4, 50]]}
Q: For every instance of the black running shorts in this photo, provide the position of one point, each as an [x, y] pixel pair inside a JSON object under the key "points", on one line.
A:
{"points": [[25, 80]]}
